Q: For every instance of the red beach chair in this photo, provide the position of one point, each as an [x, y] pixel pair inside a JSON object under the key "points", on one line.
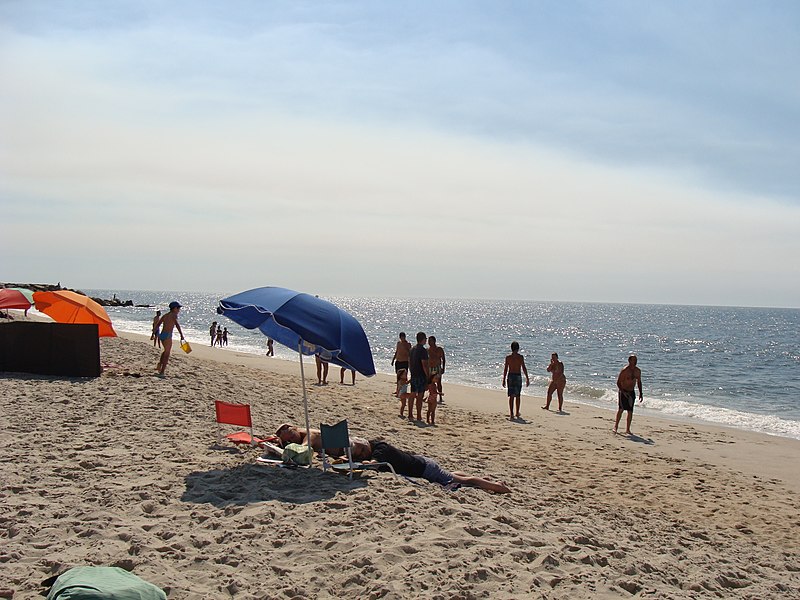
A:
{"points": [[235, 414]]}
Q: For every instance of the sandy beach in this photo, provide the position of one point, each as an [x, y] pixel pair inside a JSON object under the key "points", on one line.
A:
{"points": [[123, 470]]}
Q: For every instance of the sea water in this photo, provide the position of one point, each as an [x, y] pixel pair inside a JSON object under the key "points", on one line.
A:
{"points": [[738, 367]]}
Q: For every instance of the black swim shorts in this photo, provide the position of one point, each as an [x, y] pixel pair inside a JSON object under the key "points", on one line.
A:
{"points": [[627, 399]]}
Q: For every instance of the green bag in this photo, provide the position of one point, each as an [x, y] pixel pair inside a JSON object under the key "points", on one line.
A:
{"points": [[103, 583], [297, 454]]}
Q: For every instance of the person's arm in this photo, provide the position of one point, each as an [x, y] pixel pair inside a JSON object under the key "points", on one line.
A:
{"points": [[619, 379], [639, 381], [525, 370], [505, 372], [444, 360], [178, 327], [395, 355]]}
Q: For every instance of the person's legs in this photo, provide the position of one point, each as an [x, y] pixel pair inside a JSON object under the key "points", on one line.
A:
{"points": [[550, 389], [630, 419], [560, 391], [162, 362], [511, 407], [518, 400], [481, 482], [324, 373], [419, 406], [616, 421]]}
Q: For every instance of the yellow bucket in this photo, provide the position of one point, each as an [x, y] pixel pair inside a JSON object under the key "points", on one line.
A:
{"points": [[185, 346]]}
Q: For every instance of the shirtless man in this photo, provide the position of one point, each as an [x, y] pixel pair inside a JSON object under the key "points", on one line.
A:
{"points": [[291, 434], [436, 362], [514, 367], [628, 379], [401, 354], [557, 383], [167, 323]]}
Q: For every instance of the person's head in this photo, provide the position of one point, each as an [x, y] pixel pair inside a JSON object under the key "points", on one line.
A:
{"points": [[174, 306], [632, 360], [360, 449], [432, 390], [289, 434], [402, 375], [432, 341], [158, 313], [554, 356], [515, 346], [402, 336], [421, 337]]}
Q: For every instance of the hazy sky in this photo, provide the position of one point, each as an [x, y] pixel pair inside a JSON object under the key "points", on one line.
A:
{"points": [[562, 150]]}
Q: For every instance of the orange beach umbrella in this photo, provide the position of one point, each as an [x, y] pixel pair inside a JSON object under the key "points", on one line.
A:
{"points": [[64, 306]]}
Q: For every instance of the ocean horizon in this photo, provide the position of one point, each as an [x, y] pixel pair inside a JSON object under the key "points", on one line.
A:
{"points": [[731, 366]]}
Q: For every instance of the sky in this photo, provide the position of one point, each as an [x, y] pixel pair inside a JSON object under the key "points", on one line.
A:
{"points": [[616, 151]]}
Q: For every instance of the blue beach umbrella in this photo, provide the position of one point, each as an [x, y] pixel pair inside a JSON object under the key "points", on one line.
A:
{"points": [[304, 323]]}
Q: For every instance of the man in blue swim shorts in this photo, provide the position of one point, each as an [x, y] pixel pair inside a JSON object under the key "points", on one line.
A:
{"points": [[512, 378]]}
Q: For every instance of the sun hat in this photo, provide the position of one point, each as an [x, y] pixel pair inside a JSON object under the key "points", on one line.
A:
{"points": [[174, 304]]}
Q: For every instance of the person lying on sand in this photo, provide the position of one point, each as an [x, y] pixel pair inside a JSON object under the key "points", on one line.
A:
{"points": [[415, 465], [292, 434]]}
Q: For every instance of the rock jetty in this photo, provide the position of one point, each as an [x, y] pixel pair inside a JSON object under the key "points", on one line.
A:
{"points": [[47, 287]]}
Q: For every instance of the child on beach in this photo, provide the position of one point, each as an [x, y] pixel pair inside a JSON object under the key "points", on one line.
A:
{"points": [[403, 393], [433, 396], [166, 324]]}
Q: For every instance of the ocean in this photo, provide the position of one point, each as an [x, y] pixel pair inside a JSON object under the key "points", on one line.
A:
{"points": [[736, 367]]}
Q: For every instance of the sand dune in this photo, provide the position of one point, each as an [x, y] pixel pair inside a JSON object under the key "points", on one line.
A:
{"points": [[123, 470]]}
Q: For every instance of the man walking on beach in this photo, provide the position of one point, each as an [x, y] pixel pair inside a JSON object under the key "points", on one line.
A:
{"points": [[418, 361], [436, 362], [512, 373], [167, 323], [628, 379]]}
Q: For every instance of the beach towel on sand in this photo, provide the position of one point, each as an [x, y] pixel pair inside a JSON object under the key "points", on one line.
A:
{"points": [[102, 583]]}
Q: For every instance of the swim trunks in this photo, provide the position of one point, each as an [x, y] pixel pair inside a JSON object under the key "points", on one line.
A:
{"points": [[400, 365], [627, 399], [434, 473], [164, 335], [514, 384], [419, 384]]}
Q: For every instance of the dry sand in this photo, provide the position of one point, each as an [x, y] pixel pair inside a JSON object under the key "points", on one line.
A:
{"points": [[123, 470]]}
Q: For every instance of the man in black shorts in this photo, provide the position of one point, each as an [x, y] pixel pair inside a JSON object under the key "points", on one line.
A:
{"points": [[628, 379], [418, 361]]}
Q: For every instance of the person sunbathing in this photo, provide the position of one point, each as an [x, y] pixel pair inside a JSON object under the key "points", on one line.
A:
{"points": [[415, 465]]}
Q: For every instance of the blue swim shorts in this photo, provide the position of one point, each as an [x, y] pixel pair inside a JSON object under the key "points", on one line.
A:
{"points": [[434, 473], [164, 335], [514, 384]]}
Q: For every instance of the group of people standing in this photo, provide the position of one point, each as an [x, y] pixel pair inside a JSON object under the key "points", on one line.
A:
{"points": [[219, 335], [421, 368]]}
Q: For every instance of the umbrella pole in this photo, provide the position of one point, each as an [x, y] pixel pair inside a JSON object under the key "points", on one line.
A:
{"points": [[305, 395]]}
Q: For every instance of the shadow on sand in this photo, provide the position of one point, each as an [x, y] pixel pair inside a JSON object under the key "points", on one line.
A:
{"points": [[251, 483], [640, 440]]}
